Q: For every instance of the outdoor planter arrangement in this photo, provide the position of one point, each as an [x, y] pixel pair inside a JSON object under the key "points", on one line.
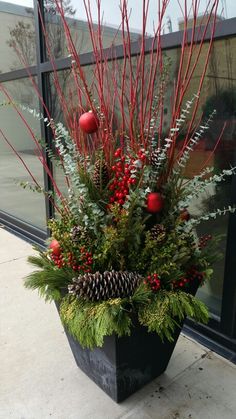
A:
{"points": [[124, 261]]}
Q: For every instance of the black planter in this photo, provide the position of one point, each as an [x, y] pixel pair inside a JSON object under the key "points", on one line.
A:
{"points": [[124, 365]]}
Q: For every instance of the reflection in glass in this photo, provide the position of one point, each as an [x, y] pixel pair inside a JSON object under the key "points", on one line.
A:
{"points": [[219, 94], [21, 203], [77, 21], [110, 16], [17, 35]]}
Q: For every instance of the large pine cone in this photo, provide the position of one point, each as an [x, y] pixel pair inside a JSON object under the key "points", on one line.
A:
{"points": [[100, 174], [106, 285]]}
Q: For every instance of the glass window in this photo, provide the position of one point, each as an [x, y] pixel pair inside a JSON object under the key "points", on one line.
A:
{"points": [[21, 203], [17, 34], [110, 13], [77, 21], [218, 93]]}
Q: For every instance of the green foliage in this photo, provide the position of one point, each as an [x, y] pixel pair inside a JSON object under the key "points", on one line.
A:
{"points": [[36, 188], [48, 279], [90, 322], [168, 309], [142, 296], [121, 241], [169, 258]]}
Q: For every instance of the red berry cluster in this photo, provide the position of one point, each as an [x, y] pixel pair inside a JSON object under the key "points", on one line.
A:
{"points": [[191, 276], [87, 260], [70, 260], [122, 176], [204, 240], [194, 275], [141, 156], [153, 280], [58, 260]]}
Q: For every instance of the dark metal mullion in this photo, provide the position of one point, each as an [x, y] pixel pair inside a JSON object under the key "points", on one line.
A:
{"points": [[18, 74], [43, 85], [228, 314], [23, 229]]}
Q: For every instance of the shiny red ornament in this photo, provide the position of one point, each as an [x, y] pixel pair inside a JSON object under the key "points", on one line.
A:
{"points": [[155, 202], [184, 215], [88, 122], [55, 247]]}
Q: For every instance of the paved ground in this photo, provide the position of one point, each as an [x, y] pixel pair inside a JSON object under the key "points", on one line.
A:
{"points": [[39, 378]]}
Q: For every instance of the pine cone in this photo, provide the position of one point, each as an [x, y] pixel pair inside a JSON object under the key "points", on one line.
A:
{"points": [[154, 158], [100, 174], [106, 285], [158, 232], [78, 233]]}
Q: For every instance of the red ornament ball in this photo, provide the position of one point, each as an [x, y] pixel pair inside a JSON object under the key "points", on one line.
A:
{"points": [[55, 247], [155, 202], [88, 122], [184, 215]]}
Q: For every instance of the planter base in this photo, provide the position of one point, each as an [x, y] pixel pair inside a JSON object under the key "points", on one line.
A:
{"points": [[124, 365]]}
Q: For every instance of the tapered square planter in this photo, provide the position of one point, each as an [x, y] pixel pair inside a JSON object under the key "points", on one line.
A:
{"points": [[124, 365]]}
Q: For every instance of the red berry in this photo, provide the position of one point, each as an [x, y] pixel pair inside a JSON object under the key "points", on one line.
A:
{"points": [[155, 202], [55, 247], [118, 152], [184, 215], [88, 122]]}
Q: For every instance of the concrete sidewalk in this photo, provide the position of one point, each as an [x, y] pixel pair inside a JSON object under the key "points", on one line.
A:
{"points": [[39, 378]]}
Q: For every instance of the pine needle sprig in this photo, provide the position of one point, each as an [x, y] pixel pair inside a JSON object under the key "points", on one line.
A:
{"points": [[48, 280]]}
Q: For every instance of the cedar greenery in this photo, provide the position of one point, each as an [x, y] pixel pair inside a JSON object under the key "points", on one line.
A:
{"points": [[168, 309], [89, 322]]}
